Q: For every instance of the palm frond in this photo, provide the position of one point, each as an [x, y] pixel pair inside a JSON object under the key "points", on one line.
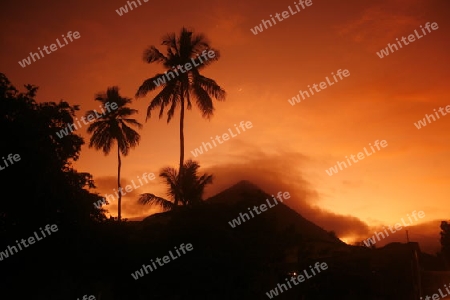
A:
{"points": [[124, 111], [180, 50], [152, 54], [149, 85], [133, 122], [210, 86], [204, 101], [112, 127], [151, 199]]}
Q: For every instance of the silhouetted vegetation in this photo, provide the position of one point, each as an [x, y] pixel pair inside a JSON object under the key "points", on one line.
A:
{"points": [[184, 86], [91, 254], [445, 241], [188, 188], [114, 127]]}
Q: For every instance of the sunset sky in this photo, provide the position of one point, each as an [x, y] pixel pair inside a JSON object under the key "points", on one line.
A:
{"points": [[289, 147]]}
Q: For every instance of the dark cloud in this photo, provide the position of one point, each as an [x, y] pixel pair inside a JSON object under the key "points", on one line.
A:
{"points": [[281, 172]]}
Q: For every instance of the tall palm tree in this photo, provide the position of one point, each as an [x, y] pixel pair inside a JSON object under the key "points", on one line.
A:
{"points": [[188, 188], [178, 91], [113, 127]]}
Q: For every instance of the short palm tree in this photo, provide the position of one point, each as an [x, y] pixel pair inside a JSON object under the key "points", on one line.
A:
{"points": [[188, 188], [190, 84], [114, 127]]}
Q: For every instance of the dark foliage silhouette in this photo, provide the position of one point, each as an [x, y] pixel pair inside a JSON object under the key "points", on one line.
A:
{"points": [[188, 188], [184, 87], [114, 127]]}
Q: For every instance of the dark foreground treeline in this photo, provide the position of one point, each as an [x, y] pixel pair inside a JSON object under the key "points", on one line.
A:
{"points": [[91, 255]]}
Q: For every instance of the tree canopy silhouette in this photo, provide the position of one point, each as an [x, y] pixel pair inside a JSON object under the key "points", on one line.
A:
{"points": [[44, 182], [188, 188]]}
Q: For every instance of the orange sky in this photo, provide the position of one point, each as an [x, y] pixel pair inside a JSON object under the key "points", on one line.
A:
{"points": [[289, 147]]}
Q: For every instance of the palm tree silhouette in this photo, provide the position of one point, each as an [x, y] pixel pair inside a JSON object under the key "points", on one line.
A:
{"points": [[179, 90], [112, 127], [188, 188]]}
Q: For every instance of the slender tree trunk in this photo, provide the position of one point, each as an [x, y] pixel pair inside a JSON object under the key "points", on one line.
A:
{"points": [[119, 208], [180, 170]]}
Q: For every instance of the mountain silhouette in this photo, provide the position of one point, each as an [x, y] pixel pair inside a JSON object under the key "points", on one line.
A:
{"points": [[246, 194], [260, 251]]}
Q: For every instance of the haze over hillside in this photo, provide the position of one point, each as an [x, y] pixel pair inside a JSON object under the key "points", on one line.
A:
{"points": [[246, 194]]}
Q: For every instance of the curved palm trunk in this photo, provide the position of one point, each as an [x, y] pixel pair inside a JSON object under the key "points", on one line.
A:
{"points": [[119, 210]]}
